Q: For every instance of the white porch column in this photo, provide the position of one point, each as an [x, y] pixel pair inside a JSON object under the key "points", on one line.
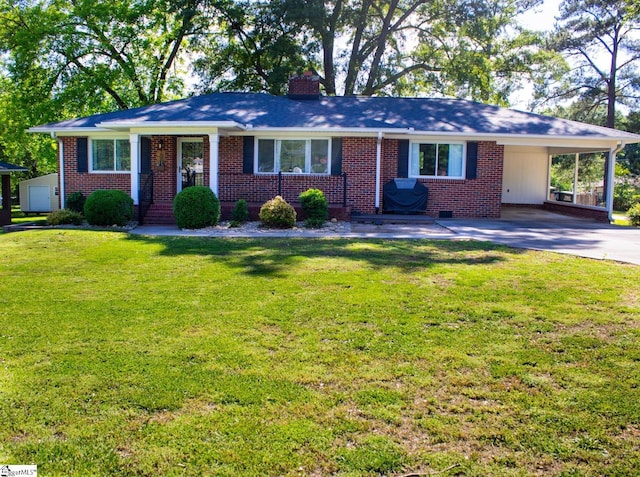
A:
{"points": [[214, 143], [134, 141], [378, 161], [611, 179]]}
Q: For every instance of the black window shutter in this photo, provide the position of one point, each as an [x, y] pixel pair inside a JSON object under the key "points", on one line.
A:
{"points": [[247, 154], [82, 154], [472, 160], [336, 156], [403, 158], [145, 155]]}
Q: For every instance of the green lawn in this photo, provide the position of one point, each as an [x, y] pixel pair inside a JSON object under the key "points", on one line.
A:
{"points": [[132, 356], [19, 217]]}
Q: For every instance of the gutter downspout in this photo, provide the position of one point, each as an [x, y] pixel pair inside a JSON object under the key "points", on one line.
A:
{"points": [[611, 177], [378, 161]]}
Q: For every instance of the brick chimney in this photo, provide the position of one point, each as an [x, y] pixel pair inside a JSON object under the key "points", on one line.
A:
{"points": [[304, 86]]}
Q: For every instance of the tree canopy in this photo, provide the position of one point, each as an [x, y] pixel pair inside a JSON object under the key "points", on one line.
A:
{"points": [[70, 58], [599, 39]]}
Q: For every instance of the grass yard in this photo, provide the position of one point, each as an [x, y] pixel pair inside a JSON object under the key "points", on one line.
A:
{"points": [[133, 356], [19, 217]]}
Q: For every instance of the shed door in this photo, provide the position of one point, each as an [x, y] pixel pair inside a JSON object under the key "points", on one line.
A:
{"points": [[39, 199]]}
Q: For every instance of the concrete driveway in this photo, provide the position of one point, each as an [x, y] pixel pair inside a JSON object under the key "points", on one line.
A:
{"points": [[541, 230]]}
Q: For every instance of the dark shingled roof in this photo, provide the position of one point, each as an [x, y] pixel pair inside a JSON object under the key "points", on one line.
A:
{"points": [[6, 168], [430, 115]]}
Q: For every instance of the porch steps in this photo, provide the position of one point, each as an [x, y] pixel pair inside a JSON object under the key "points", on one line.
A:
{"points": [[160, 213], [392, 219]]}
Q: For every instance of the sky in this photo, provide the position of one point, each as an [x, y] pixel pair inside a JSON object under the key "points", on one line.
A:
{"points": [[540, 18]]}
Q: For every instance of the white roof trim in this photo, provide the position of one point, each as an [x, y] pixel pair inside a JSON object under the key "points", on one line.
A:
{"points": [[165, 127], [55, 130]]}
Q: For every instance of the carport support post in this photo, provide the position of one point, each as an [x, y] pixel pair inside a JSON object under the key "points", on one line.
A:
{"points": [[5, 212], [610, 179], [575, 179]]}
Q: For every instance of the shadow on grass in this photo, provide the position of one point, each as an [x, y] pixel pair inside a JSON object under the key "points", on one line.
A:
{"points": [[272, 257]]}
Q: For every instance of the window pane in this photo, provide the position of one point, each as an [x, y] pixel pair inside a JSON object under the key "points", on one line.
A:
{"points": [[192, 153], [443, 159], [319, 156], [455, 160], [265, 155], [123, 155], [102, 155], [292, 155], [428, 159]]}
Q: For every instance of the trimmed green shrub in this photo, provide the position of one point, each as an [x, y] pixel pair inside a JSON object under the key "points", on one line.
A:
{"points": [[196, 207], [65, 216], [315, 207], [240, 211], [108, 207], [634, 215], [75, 202], [278, 213]]}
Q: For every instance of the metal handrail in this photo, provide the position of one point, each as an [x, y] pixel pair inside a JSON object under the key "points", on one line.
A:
{"points": [[145, 198]]}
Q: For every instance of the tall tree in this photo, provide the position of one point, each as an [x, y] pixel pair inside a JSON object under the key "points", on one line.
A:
{"points": [[459, 47], [599, 39], [253, 48], [468, 48], [63, 59], [124, 49]]}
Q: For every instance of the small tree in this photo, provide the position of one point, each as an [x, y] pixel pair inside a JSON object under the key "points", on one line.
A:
{"points": [[240, 212], [75, 202], [315, 207]]}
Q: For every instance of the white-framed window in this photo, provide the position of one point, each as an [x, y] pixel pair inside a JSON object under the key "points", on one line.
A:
{"points": [[293, 156], [437, 159], [110, 155]]}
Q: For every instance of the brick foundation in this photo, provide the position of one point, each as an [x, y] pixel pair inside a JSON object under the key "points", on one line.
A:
{"points": [[575, 210]]}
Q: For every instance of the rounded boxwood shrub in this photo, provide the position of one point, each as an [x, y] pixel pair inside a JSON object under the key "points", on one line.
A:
{"points": [[108, 207], [75, 202], [634, 215], [315, 207], [64, 216], [196, 207], [278, 213]]}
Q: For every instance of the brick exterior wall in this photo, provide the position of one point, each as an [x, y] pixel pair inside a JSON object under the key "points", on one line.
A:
{"points": [[233, 184], [86, 182], [164, 167], [480, 197]]}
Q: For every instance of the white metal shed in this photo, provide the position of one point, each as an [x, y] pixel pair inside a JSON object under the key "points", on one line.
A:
{"points": [[40, 194]]}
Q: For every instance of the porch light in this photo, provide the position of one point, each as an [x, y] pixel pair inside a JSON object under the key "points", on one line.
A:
{"points": [[160, 144]]}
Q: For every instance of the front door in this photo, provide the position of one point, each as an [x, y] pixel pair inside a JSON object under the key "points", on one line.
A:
{"points": [[190, 162]]}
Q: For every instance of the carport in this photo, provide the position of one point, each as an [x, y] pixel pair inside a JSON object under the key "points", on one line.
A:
{"points": [[5, 174], [527, 176]]}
